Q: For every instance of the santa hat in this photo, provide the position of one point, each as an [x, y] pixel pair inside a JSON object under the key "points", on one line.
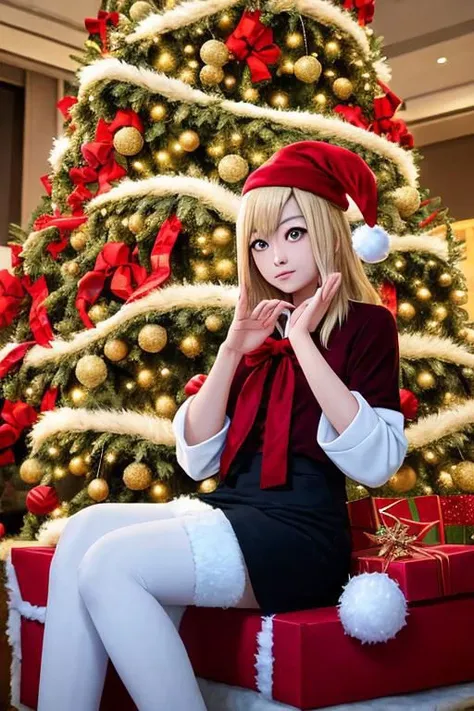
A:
{"points": [[333, 173]]}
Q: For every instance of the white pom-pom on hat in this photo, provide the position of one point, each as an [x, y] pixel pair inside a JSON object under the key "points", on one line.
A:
{"points": [[372, 608], [372, 244]]}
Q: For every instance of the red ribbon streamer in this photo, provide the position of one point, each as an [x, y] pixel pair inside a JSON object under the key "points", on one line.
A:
{"points": [[277, 423], [16, 416], [98, 25], [15, 251], [253, 41], [388, 294], [14, 356], [46, 183], [65, 105], [365, 10], [39, 322]]}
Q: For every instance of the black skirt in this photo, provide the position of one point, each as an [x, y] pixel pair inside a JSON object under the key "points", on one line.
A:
{"points": [[295, 538]]}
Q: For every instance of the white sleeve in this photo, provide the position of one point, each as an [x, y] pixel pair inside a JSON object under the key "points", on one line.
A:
{"points": [[371, 449], [202, 460]]}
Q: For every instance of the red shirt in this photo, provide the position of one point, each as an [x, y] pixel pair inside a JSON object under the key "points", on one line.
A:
{"points": [[363, 352]]}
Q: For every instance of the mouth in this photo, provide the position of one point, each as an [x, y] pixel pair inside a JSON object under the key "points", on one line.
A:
{"points": [[285, 274]]}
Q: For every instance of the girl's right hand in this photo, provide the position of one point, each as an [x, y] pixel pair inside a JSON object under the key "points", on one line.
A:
{"points": [[249, 331]]}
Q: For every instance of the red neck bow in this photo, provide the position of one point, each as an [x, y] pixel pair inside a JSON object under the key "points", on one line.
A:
{"points": [[277, 424]]}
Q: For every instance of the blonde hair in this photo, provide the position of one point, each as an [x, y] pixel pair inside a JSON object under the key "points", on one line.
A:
{"points": [[260, 212]]}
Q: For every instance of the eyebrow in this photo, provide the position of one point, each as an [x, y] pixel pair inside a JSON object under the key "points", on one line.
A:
{"points": [[295, 217]]}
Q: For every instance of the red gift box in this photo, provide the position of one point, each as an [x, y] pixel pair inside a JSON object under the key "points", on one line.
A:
{"points": [[292, 658], [365, 516], [421, 577]]}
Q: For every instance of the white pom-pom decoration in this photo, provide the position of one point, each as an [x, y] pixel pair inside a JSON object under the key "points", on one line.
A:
{"points": [[372, 244], [372, 608]]}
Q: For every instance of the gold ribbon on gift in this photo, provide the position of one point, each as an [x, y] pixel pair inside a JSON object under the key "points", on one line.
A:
{"points": [[395, 542]]}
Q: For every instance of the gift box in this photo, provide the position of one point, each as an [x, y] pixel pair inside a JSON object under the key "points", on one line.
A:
{"points": [[365, 516], [291, 658], [445, 570]]}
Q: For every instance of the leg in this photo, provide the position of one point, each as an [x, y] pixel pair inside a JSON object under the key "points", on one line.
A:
{"points": [[73, 654], [126, 578]]}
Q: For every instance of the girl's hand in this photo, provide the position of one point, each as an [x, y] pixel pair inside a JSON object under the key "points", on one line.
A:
{"points": [[307, 316], [249, 330]]}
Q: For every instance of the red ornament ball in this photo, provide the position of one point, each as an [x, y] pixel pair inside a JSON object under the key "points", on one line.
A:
{"points": [[41, 500], [2, 530]]}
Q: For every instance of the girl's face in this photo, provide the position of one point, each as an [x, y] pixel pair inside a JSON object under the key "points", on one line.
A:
{"points": [[288, 249]]}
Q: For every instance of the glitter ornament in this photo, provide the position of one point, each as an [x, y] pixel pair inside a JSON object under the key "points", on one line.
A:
{"points": [[152, 338], [116, 350], [191, 346], [342, 88], [31, 471], [91, 371], [211, 75], [165, 406], [136, 223], [407, 201], [307, 69], [406, 311], [233, 168], [78, 240], [137, 476], [463, 476], [98, 312], [213, 323], [145, 378], [208, 485], [140, 10], [128, 141], [215, 53], [404, 479]]}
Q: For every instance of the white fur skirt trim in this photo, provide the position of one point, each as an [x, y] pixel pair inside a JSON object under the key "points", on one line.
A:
{"points": [[218, 559]]}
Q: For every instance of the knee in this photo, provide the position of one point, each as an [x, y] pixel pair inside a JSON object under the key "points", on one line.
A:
{"points": [[99, 570]]}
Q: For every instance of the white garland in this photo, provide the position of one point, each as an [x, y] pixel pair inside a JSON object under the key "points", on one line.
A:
{"points": [[420, 243], [176, 90], [446, 421], [58, 151], [264, 657], [422, 345], [209, 192]]}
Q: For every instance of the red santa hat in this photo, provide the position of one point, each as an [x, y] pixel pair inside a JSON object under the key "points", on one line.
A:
{"points": [[332, 173]]}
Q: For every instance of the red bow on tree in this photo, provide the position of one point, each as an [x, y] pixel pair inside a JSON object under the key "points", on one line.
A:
{"points": [[277, 423], [388, 294], [98, 25], [394, 130], [365, 10], [253, 41], [65, 105], [64, 223], [129, 280], [16, 416]]}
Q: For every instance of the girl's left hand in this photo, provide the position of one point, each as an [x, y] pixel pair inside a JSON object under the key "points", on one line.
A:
{"points": [[307, 316]]}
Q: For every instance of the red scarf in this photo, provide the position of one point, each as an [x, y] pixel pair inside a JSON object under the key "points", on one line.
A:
{"points": [[277, 424]]}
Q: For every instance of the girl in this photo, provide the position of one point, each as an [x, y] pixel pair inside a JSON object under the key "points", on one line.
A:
{"points": [[304, 391]]}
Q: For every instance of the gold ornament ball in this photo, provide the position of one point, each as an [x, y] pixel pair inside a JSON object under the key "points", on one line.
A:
{"points": [[332, 50], [320, 99], [78, 466], [97, 313], [458, 296], [128, 141], [236, 139], [189, 140], [145, 378], [400, 264], [213, 323], [294, 40], [77, 395], [224, 22], [208, 485], [216, 150], [91, 371], [251, 94], [158, 492], [165, 62], [407, 201], [136, 223], [286, 66], [137, 476], [191, 346], [430, 456], [152, 338], [158, 112], [116, 349], [233, 168], [59, 473], [165, 406], [140, 10], [423, 294], [211, 75], [201, 271], [425, 380], [98, 489], [307, 69], [440, 312], [78, 240], [279, 99], [406, 311], [31, 471], [404, 480], [225, 268], [214, 52], [445, 279], [463, 476], [222, 236], [343, 88]]}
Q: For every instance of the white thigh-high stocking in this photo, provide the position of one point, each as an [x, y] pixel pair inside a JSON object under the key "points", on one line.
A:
{"points": [[120, 580]]}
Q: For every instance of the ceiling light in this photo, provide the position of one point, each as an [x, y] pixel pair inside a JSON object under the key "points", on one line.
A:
{"points": [[442, 60]]}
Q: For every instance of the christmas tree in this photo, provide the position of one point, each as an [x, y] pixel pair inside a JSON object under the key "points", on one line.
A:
{"points": [[124, 285]]}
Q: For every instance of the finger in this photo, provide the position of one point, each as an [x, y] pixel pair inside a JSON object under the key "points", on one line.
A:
{"points": [[273, 317]]}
